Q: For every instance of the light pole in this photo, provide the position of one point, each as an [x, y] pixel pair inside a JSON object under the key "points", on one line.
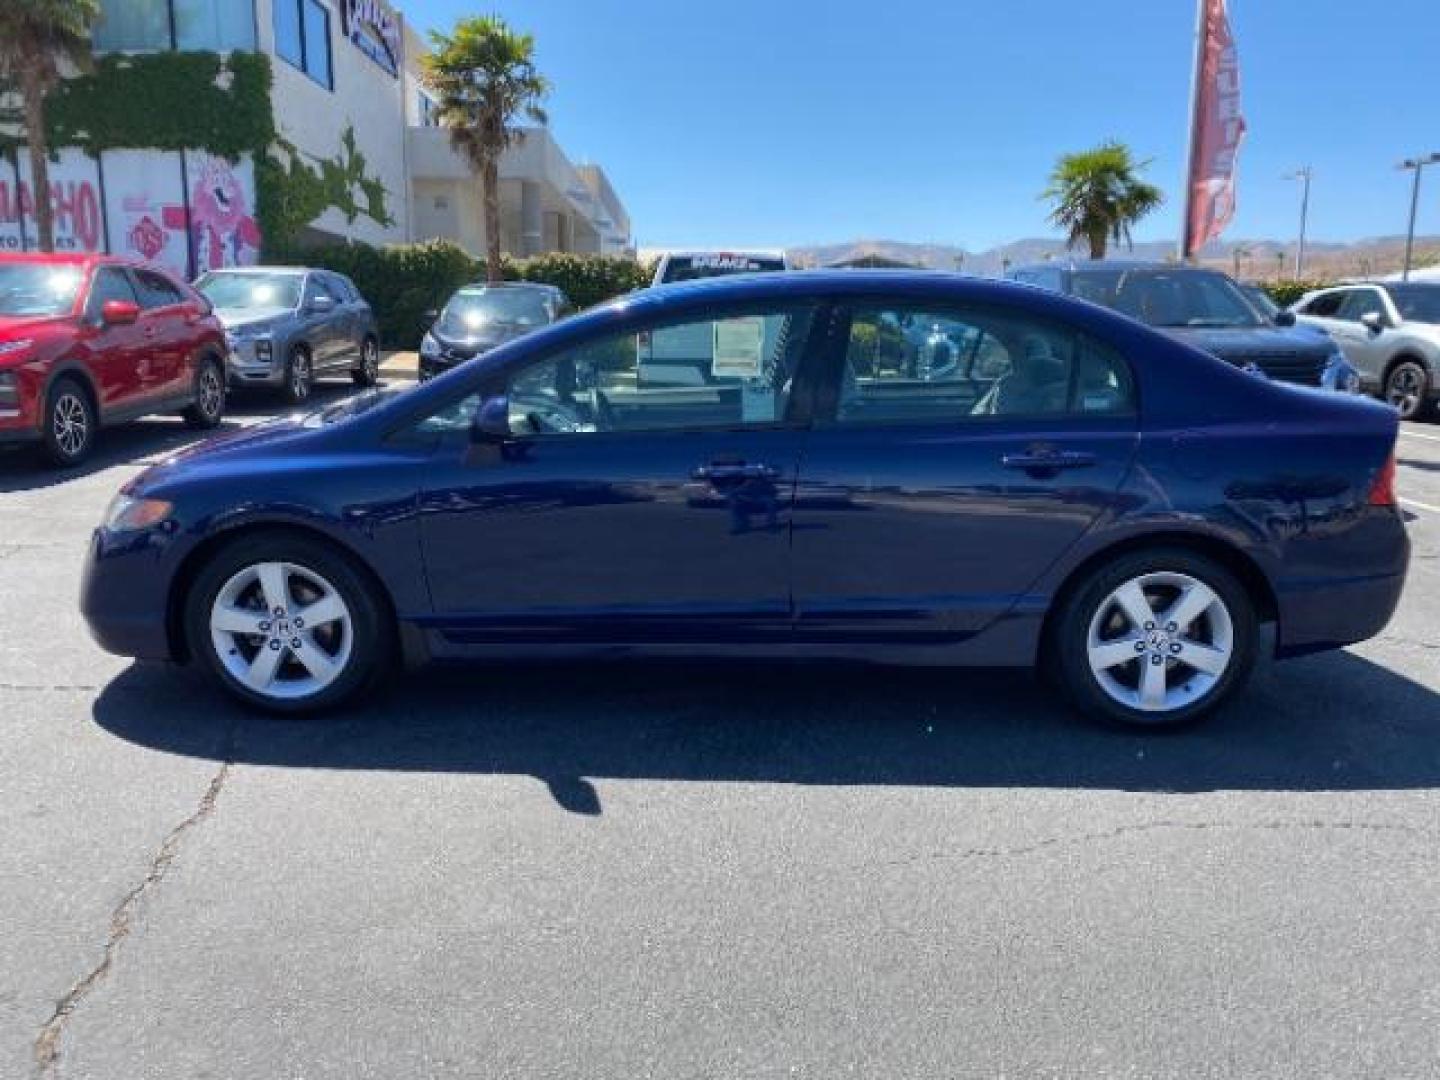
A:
{"points": [[1417, 165], [1305, 175]]}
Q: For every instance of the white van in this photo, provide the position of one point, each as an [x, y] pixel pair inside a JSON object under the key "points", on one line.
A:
{"points": [[685, 356]]}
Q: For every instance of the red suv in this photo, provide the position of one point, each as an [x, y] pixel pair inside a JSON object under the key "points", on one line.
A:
{"points": [[91, 340]]}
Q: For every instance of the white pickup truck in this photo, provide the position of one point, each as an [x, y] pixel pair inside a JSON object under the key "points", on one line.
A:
{"points": [[685, 355]]}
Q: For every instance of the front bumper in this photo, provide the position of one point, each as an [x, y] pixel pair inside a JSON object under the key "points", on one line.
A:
{"points": [[124, 593], [248, 367]]}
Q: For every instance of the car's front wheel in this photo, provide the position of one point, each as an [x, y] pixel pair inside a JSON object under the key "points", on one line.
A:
{"points": [[208, 408], [287, 623], [1155, 639], [70, 424], [299, 376]]}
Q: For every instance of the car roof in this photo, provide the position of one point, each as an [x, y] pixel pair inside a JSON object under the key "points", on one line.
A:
{"points": [[70, 258], [1120, 266], [293, 270], [509, 285]]}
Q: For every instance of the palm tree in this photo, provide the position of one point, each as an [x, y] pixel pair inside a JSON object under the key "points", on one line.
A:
{"points": [[1098, 196], [485, 78], [36, 38]]}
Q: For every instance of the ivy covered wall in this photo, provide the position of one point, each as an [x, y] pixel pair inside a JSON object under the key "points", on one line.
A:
{"points": [[221, 105]]}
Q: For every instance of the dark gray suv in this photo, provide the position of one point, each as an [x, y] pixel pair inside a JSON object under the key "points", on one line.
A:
{"points": [[288, 326], [1204, 308]]}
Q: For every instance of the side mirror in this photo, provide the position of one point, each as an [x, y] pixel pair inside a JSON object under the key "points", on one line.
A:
{"points": [[119, 312], [322, 305], [491, 423], [1285, 318], [1374, 321]]}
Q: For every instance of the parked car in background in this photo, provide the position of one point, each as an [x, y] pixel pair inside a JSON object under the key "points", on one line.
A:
{"points": [[288, 326], [677, 266], [89, 341], [1204, 308], [1263, 302], [1390, 332], [479, 317], [1097, 498]]}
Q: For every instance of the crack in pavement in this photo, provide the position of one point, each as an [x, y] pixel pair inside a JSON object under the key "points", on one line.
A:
{"points": [[122, 921], [1156, 826]]}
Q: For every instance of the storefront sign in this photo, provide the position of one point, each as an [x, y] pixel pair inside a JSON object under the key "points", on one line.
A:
{"points": [[74, 199], [374, 28]]}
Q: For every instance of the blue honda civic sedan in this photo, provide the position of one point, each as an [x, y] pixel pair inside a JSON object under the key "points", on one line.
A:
{"points": [[895, 467]]}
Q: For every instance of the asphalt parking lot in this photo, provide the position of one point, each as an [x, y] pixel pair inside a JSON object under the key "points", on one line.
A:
{"points": [[682, 871]]}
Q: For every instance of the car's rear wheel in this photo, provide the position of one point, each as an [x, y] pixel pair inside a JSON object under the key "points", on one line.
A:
{"points": [[208, 408], [1155, 639], [299, 376], [288, 624], [70, 423], [368, 373], [1407, 388]]}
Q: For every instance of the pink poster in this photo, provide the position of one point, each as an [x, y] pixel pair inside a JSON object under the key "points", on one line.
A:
{"points": [[222, 211], [74, 198]]}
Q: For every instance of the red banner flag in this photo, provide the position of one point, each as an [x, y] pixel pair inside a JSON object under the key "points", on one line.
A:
{"points": [[1217, 133]]}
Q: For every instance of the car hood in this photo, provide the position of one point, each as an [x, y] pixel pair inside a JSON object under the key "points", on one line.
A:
{"points": [[16, 326], [1242, 345], [250, 318]]}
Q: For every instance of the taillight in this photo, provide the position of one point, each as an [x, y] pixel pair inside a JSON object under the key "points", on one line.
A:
{"points": [[1382, 491]]}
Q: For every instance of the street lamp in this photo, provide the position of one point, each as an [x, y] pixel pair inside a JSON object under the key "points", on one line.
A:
{"points": [[1306, 175], [1417, 165]]}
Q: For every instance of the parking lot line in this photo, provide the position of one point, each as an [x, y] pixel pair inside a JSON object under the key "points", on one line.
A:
{"points": [[1418, 435], [1419, 506]]}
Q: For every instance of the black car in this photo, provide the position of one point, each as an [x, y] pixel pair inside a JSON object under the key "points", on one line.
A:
{"points": [[479, 317], [1207, 309]]}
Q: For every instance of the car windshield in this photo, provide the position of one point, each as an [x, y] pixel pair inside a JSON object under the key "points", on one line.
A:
{"points": [[694, 267], [1167, 298], [1417, 303], [244, 292], [472, 310], [38, 289]]}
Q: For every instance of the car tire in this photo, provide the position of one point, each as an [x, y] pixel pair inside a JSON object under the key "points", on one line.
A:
{"points": [[1130, 665], [70, 423], [287, 664], [207, 411], [368, 373], [299, 376], [1408, 388]]}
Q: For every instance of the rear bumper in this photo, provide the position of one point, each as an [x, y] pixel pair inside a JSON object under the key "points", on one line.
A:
{"points": [[1323, 613]]}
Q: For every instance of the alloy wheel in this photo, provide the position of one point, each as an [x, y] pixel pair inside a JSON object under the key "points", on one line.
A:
{"points": [[212, 393], [281, 630], [1405, 389], [70, 422], [1160, 642], [300, 375]]}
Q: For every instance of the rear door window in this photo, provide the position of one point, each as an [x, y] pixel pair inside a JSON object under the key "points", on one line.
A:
{"points": [[155, 290]]}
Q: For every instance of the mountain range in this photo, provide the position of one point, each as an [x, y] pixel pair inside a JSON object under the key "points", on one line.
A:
{"points": [[1260, 260]]}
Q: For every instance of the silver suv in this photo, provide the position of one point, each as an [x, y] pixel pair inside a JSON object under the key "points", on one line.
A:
{"points": [[1390, 333]]}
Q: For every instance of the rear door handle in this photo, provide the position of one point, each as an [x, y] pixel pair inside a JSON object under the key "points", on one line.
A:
{"points": [[1049, 460], [719, 474]]}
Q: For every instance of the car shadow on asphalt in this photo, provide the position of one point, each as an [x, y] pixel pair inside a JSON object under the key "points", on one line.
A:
{"points": [[23, 469], [1328, 723]]}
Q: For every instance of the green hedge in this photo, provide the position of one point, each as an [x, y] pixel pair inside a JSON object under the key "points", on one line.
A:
{"points": [[1286, 293], [404, 281]]}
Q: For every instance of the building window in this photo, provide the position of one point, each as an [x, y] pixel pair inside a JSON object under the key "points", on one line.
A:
{"points": [[133, 26], [427, 108], [302, 38], [161, 25], [215, 25]]}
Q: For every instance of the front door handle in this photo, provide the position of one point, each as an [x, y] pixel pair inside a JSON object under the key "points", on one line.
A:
{"points": [[718, 473], [1049, 461]]}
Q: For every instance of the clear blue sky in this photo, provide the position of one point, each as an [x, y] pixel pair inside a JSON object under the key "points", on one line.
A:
{"points": [[784, 122]]}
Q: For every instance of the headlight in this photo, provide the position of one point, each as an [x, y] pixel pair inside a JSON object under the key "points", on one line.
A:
{"points": [[264, 350], [10, 348], [429, 347], [127, 514]]}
